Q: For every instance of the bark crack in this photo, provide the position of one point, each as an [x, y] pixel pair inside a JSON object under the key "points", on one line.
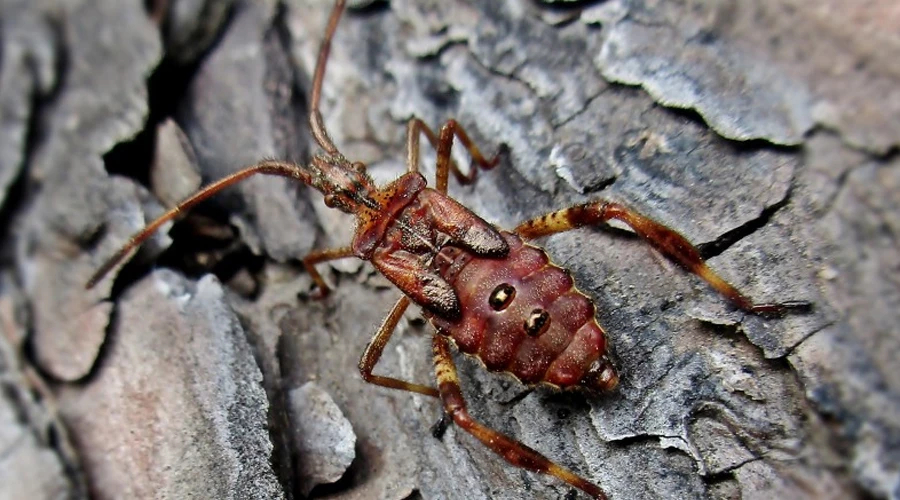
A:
{"points": [[729, 238]]}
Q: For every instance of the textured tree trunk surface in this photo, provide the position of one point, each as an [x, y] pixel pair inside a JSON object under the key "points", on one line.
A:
{"points": [[766, 132]]}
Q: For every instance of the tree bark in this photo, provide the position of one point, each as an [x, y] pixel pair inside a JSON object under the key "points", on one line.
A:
{"points": [[766, 132]]}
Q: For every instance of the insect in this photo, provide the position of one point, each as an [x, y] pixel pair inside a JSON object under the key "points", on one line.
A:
{"points": [[490, 292]]}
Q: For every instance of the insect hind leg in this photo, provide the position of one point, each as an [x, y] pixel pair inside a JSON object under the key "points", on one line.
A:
{"points": [[665, 240], [511, 450], [373, 352]]}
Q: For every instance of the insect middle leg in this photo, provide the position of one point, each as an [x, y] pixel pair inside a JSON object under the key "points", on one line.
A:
{"points": [[376, 346], [511, 450], [373, 352], [443, 144], [665, 240]]}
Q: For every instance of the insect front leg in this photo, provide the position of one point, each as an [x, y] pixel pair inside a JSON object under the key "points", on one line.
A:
{"points": [[665, 240], [373, 352], [511, 450], [443, 144], [316, 257]]}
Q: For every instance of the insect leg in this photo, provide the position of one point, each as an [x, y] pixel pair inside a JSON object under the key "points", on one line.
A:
{"points": [[373, 352], [267, 167], [511, 450], [313, 258], [667, 241], [443, 144]]}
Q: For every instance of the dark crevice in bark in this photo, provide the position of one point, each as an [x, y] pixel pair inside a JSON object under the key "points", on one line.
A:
{"points": [[375, 7], [575, 6], [166, 88], [729, 238]]}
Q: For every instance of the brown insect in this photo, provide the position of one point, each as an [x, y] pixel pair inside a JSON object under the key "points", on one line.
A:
{"points": [[495, 296]]}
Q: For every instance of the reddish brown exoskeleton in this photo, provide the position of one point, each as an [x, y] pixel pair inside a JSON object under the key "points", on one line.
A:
{"points": [[488, 291]]}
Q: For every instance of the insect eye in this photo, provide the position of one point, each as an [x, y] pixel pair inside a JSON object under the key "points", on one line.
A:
{"points": [[537, 322], [502, 296], [330, 201]]}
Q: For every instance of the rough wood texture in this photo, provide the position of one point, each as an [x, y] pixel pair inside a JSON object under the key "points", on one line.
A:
{"points": [[767, 132]]}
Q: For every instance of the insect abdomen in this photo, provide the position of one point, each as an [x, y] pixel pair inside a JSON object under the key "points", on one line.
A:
{"points": [[522, 314]]}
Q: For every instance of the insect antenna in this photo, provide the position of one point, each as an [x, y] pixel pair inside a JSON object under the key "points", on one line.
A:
{"points": [[267, 167], [315, 116]]}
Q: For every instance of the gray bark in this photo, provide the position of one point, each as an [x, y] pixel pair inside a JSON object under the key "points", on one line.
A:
{"points": [[767, 132]]}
